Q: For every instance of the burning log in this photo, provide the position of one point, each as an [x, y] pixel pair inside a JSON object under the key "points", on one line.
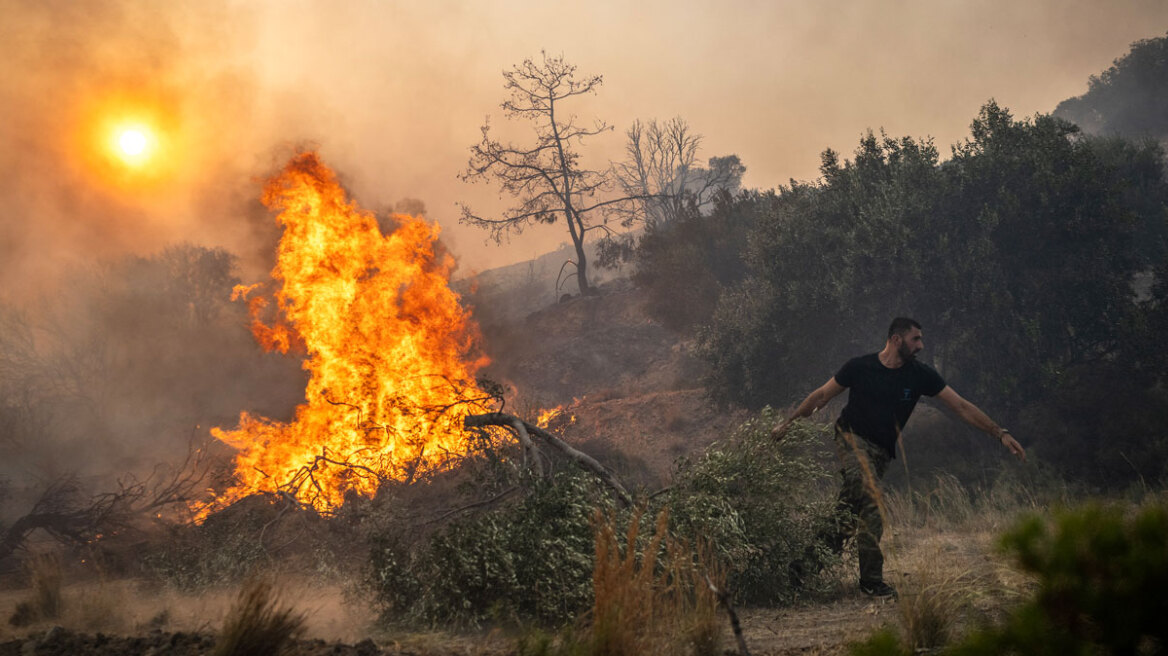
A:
{"points": [[524, 430]]}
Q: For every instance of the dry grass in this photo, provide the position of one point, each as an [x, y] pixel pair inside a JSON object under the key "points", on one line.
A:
{"points": [[259, 624], [648, 606], [935, 600], [936, 541], [44, 578], [101, 607]]}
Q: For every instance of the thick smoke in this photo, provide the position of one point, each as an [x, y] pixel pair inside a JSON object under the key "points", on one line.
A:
{"points": [[118, 340], [73, 69]]}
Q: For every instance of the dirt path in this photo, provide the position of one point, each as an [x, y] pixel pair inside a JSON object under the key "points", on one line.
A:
{"points": [[818, 629]]}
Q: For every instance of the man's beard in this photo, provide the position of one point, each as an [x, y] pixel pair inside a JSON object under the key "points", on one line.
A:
{"points": [[906, 353]]}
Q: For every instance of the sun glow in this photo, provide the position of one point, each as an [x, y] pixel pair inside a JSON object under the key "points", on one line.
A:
{"points": [[134, 144]]}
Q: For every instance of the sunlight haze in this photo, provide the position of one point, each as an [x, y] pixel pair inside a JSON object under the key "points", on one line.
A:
{"points": [[395, 93]]}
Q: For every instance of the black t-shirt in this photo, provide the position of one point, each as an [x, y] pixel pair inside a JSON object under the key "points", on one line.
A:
{"points": [[880, 399]]}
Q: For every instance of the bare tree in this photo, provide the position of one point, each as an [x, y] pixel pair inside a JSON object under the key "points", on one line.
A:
{"points": [[661, 179], [547, 178], [661, 174]]}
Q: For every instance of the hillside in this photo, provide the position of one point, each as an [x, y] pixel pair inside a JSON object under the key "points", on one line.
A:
{"points": [[628, 386]]}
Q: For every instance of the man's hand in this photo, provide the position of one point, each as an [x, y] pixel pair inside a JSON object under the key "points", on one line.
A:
{"points": [[813, 402], [780, 430], [1012, 444]]}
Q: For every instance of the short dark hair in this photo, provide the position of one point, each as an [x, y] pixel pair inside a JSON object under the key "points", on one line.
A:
{"points": [[902, 325]]}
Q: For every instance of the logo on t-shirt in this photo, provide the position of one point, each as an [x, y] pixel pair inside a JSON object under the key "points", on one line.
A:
{"points": [[907, 395]]}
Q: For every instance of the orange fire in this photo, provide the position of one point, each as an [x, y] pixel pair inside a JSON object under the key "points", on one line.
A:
{"points": [[391, 353], [557, 414]]}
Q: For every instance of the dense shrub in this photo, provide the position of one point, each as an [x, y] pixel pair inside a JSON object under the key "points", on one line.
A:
{"points": [[684, 264], [753, 507], [762, 506], [224, 550], [531, 560]]}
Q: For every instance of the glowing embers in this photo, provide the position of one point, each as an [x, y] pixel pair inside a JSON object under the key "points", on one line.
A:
{"points": [[391, 352]]}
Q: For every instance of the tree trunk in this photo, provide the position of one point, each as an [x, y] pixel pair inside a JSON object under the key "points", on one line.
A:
{"points": [[582, 269]]}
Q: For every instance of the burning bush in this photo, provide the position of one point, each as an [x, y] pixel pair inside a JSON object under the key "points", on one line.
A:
{"points": [[390, 352]]}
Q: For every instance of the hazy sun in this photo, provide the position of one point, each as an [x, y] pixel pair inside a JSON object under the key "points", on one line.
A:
{"points": [[133, 144]]}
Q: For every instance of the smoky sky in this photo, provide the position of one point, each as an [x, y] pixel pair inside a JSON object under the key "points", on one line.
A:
{"points": [[394, 93]]}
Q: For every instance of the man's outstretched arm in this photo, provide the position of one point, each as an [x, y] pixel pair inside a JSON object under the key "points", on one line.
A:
{"points": [[973, 416], [813, 402]]}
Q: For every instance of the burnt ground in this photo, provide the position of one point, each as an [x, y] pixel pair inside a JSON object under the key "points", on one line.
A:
{"points": [[62, 642]]}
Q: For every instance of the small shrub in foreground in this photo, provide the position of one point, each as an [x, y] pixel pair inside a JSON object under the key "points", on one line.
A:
{"points": [[44, 577], [258, 624], [531, 559]]}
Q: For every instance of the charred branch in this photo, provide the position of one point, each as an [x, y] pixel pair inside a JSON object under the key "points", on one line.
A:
{"points": [[579, 457], [70, 516]]}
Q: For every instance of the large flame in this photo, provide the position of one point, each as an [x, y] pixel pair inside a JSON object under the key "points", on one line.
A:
{"points": [[390, 350]]}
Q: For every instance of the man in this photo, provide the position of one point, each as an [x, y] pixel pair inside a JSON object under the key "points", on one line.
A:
{"points": [[884, 388]]}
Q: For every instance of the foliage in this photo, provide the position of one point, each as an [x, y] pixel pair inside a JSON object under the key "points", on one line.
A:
{"points": [[685, 264], [1021, 256], [797, 310], [226, 549], [1130, 98], [763, 506], [1102, 574], [748, 507], [531, 559]]}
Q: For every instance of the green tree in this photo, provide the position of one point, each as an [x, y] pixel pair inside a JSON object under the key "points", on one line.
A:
{"points": [[1031, 256], [685, 264], [827, 264], [1128, 99]]}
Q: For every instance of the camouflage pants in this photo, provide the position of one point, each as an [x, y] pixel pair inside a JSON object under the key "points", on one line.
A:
{"points": [[863, 465]]}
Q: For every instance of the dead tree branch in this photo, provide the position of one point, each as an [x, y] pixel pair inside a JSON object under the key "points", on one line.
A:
{"points": [[579, 457], [74, 517], [724, 599]]}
